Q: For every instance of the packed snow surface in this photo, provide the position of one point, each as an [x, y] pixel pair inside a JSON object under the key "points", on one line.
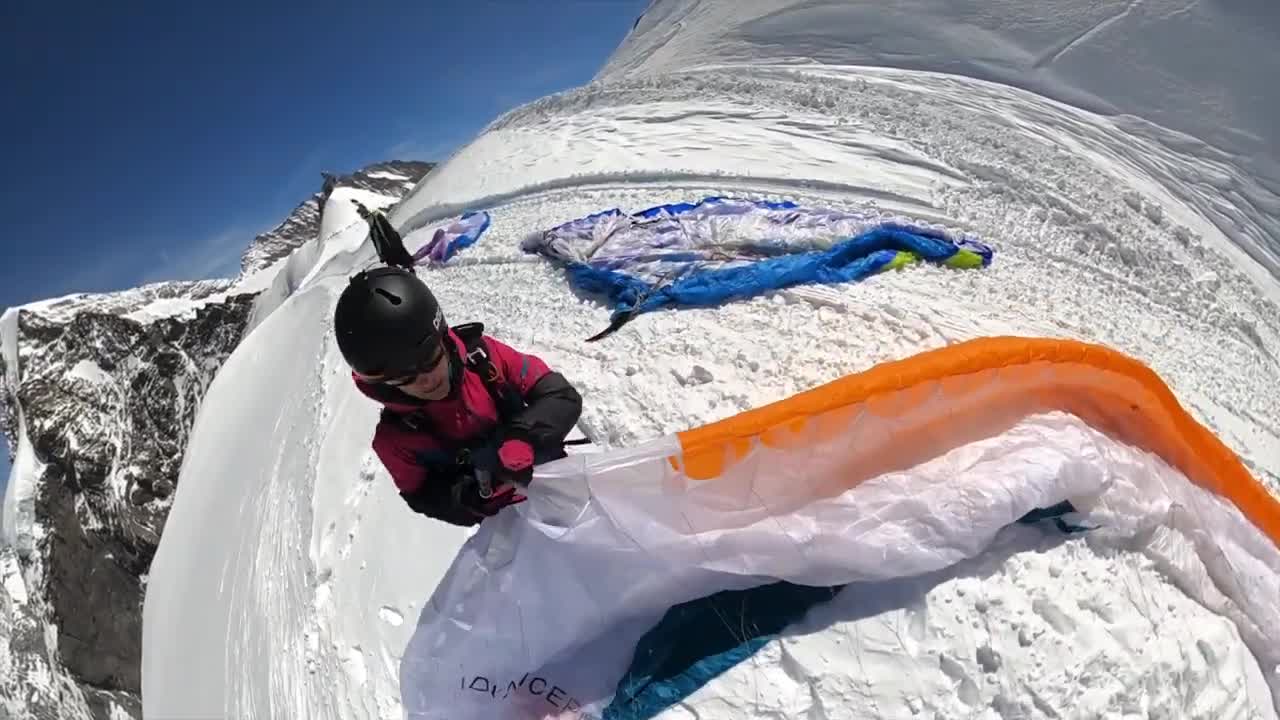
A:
{"points": [[1197, 76], [291, 574]]}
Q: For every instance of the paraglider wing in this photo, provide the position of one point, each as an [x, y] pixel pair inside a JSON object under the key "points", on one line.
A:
{"points": [[905, 469]]}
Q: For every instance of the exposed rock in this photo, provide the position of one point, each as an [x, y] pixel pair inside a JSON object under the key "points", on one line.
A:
{"points": [[105, 388], [107, 403], [392, 178]]}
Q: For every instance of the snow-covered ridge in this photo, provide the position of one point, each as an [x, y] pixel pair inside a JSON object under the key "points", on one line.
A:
{"points": [[8, 380], [341, 230], [1152, 61], [99, 392], [392, 178], [1155, 68], [151, 301], [17, 514]]}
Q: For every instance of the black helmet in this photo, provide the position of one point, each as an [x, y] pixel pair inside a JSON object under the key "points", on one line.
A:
{"points": [[387, 321]]}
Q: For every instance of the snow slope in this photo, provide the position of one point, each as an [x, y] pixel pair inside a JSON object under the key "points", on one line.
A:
{"points": [[16, 524], [341, 229], [1105, 229], [1193, 75]]}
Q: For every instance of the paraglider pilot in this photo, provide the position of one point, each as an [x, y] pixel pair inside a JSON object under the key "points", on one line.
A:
{"points": [[465, 417]]}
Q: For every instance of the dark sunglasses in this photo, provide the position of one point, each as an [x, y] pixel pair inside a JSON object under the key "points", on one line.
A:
{"points": [[406, 377]]}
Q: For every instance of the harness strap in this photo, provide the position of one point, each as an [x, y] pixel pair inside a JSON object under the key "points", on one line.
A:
{"points": [[505, 399]]}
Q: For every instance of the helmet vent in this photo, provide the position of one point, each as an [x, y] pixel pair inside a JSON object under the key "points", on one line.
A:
{"points": [[394, 299]]}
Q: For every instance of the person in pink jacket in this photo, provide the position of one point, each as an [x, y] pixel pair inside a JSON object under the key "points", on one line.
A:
{"points": [[465, 417]]}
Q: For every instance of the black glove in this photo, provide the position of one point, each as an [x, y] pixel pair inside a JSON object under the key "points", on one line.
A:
{"points": [[467, 495], [510, 462], [439, 504]]}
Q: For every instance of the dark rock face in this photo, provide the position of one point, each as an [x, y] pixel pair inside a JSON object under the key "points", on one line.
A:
{"points": [[8, 417], [105, 496], [106, 389], [393, 178], [108, 402]]}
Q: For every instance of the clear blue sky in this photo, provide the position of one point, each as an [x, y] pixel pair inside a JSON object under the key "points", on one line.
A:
{"points": [[148, 141]]}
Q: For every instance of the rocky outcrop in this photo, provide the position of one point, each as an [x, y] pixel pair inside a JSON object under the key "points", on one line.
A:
{"points": [[98, 396], [393, 178], [107, 401]]}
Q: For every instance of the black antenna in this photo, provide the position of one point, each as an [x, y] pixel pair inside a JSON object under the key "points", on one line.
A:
{"points": [[386, 241]]}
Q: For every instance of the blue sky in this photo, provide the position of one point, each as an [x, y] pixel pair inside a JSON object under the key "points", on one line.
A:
{"points": [[148, 141]]}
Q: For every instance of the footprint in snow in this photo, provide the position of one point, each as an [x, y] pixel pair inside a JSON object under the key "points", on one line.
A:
{"points": [[1053, 615], [968, 691], [326, 540], [353, 662], [391, 616], [362, 487], [345, 552]]}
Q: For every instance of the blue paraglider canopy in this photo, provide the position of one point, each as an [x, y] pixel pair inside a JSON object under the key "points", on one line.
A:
{"points": [[721, 249]]}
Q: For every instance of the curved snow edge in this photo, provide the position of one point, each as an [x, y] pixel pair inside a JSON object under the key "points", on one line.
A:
{"points": [[341, 231], [18, 519]]}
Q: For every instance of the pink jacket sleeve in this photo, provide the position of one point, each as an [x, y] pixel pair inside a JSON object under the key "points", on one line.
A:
{"points": [[552, 404], [521, 369], [393, 446]]}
